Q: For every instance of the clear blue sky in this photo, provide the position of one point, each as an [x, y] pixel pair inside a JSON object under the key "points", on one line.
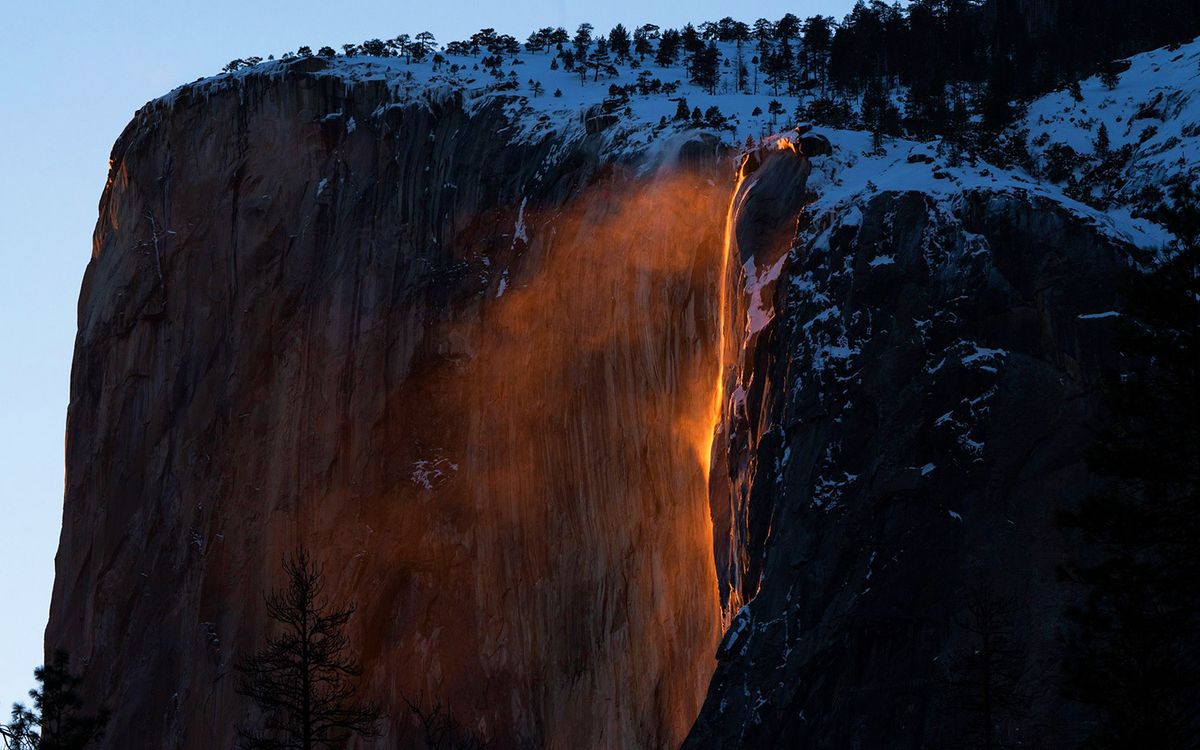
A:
{"points": [[73, 74]]}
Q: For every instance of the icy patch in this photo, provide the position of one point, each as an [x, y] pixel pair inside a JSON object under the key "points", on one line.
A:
{"points": [[427, 474], [737, 628], [983, 353], [519, 230], [759, 314]]}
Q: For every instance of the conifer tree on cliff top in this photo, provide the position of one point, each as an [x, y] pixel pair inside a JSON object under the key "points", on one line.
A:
{"points": [[303, 681]]}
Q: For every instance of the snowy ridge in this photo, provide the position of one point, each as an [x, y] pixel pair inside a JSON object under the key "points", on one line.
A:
{"points": [[1151, 117], [856, 171], [527, 89]]}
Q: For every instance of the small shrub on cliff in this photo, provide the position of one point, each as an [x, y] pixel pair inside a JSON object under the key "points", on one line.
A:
{"points": [[303, 681], [439, 729]]}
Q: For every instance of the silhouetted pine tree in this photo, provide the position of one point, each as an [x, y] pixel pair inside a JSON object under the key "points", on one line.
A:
{"points": [[987, 691], [705, 67], [997, 107], [439, 729], [619, 42], [879, 113], [55, 722], [668, 48], [303, 681]]}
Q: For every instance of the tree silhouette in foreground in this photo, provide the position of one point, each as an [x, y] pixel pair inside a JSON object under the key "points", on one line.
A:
{"points": [[55, 722], [439, 729], [304, 680], [987, 691]]}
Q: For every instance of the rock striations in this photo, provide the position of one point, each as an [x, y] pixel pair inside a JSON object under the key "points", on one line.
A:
{"points": [[556, 406], [471, 376]]}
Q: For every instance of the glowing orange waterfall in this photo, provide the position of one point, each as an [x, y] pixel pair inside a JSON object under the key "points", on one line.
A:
{"points": [[727, 246], [718, 485], [774, 168]]}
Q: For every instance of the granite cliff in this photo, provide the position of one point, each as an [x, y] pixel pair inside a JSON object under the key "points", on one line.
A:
{"points": [[617, 435], [464, 374]]}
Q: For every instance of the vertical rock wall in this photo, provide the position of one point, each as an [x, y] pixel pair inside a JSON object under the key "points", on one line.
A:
{"points": [[897, 436], [473, 377]]}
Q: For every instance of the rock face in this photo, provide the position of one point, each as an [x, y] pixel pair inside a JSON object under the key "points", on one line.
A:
{"points": [[473, 378], [479, 379], [897, 439]]}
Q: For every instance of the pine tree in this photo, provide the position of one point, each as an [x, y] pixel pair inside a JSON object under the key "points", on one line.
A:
{"points": [[775, 109], [424, 44], [641, 42], [21, 732], [55, 722], [583, 40], [987, 690], [668, 48], [303, 681], [787, 28], [536, 41], [374, 48], [1110, 77], [690, 39], [879, 113], [817, 34], [705, 67], [997, 107], [1102, 143], [619, 42], [763, 32], [599, 60], [957, 129]]}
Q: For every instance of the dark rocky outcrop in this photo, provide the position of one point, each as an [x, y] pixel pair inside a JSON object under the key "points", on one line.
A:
{"points": [[903, 433]]}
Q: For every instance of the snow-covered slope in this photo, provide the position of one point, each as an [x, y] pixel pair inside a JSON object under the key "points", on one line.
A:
{"points": [[855, 171], [1151, 117], [545, 99]]}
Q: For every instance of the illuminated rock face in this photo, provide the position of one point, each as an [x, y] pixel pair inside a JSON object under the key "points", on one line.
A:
{"points": [[480, 381], [474, 378]]}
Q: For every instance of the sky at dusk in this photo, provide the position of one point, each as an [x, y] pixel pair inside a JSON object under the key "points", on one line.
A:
{"points": [[74, 74]]}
